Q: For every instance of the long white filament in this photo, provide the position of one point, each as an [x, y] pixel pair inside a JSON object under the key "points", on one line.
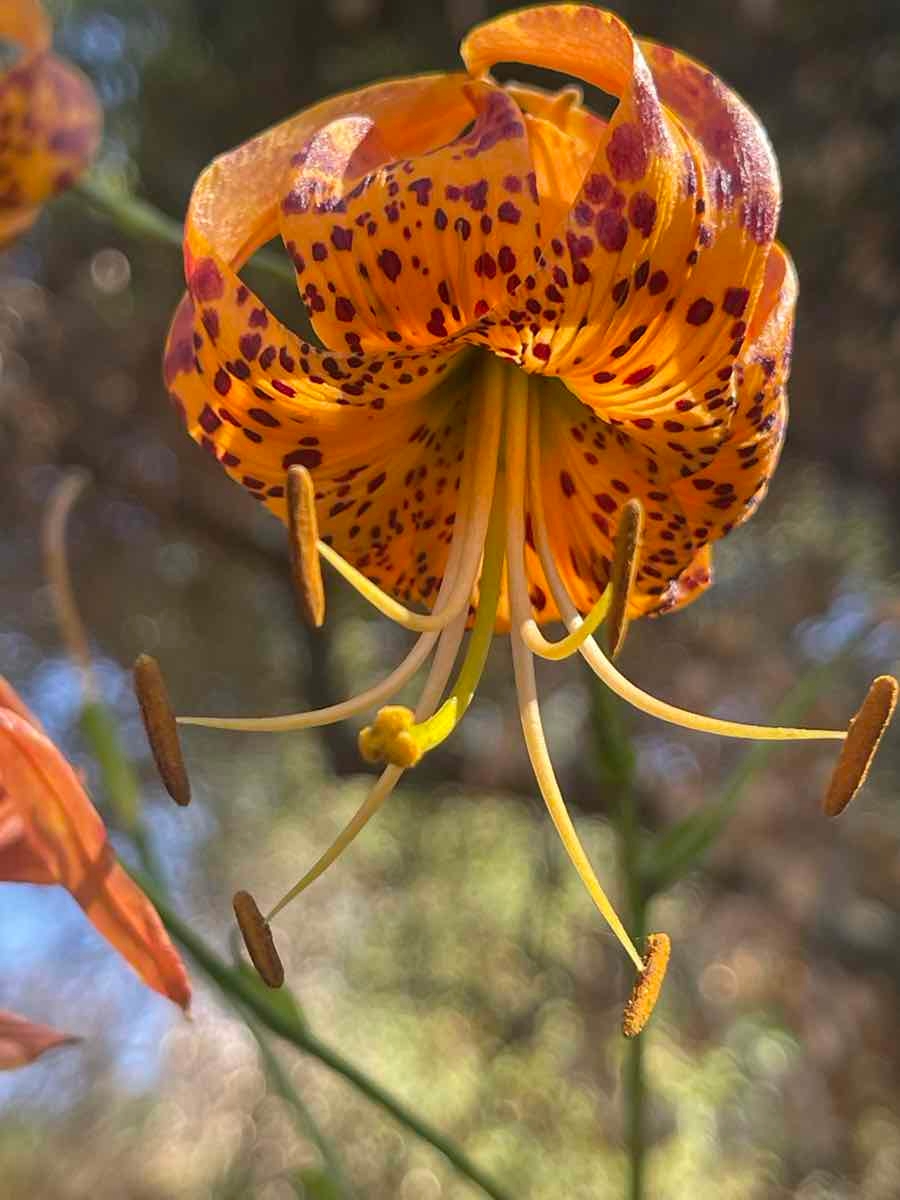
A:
{"points": [[523, 663], [600, 664], [435, 684], [480, 458], [463, 563]]}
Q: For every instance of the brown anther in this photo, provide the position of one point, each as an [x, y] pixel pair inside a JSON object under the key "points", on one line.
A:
{"points": [[162, 732], [257, 935], [647, 986], [629, 538], [860, 744], [303, 528]]}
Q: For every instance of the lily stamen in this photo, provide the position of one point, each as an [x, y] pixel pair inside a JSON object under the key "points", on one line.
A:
{"points": [[863, 736], [258, 939], [523, 662], [629, 538], [160, 725], [303, 529], [611, 676], [437, 680], [395, 736], [647, 986], [482, 440]]}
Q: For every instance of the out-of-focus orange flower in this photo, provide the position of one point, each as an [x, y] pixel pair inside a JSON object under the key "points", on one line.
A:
{"points": [[51, 833], [50, 119], [535, 322], [22, 1041]]}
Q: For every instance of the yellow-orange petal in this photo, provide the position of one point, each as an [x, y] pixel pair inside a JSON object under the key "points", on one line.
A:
{"points": [[634, 203], [51, 124], [64, 831], [386, 479], [24, 23], [411, 251], [22, 1041], [234, 204]]}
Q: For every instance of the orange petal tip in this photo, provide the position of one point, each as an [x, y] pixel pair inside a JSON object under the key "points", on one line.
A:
{"points": [[629, 537], [162, 731], [306, 568], [647, 987], [257, 935], [861, 744]]}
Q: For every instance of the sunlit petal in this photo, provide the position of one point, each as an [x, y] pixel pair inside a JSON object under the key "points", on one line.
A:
{"points": [[64, 831]]}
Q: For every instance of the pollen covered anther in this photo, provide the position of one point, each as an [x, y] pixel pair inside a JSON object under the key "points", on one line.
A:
{"points": [[389, 739], [629, 536], [863, 736], [162, 731], [257, 935], [647, 987], [306, 567]]}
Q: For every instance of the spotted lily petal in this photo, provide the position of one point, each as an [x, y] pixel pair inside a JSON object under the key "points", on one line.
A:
{"points": [[49, 120], [22, 1041], [52, 833], [414, 249]]}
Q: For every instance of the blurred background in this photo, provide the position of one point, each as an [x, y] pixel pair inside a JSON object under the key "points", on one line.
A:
{"points": [[453, 952]]}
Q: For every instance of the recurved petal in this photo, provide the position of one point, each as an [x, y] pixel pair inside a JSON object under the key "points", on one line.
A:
{"points": [[49, 131], [22, 1041], [670, 379], [588, 472], [634, 203], [411, 250], [386, 479], [64, 831], [235, 201], [731, 487]]}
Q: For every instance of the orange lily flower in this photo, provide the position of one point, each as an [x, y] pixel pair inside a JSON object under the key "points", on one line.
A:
{"points": [[534, 323], [22, 1041], [51, 833], [50, 120]]}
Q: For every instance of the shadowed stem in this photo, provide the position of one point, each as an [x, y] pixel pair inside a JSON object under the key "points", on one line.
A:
{"points": [[251, 996], [282, 1083], [615, 763], [635, 1088]]}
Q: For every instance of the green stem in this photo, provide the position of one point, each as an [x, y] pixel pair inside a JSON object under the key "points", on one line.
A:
{"points": [[283, 1086], [140, 219], [616, 764], [248, 993], [635, 1084]]}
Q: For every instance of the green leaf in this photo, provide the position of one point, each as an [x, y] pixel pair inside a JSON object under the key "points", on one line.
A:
{"points": [[120, 782], [318, 1184], [282, 999]]}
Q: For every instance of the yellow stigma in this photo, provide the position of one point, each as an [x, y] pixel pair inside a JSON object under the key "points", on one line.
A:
{"points": [[389, 739], [648, 984], [396, 737]]}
